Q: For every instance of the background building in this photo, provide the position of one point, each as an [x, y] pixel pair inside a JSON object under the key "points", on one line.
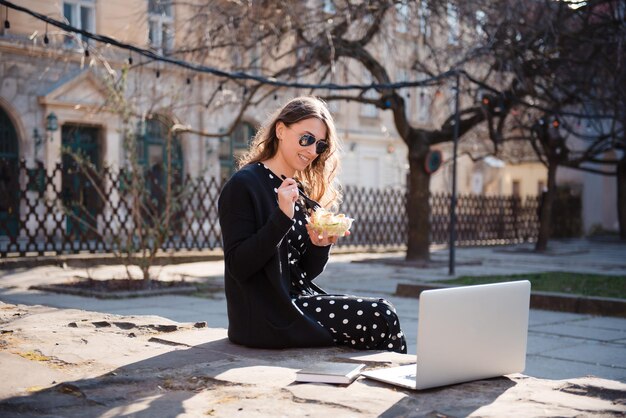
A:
{"points": [[56, 94]]}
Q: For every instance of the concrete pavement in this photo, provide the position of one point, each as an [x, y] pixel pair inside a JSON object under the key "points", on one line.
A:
{"points": [[560, 345], [74, 363]]}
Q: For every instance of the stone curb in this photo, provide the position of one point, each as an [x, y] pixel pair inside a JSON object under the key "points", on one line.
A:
{"points": [[180, 290], [549, 301], [87, 259], [83, 260]]}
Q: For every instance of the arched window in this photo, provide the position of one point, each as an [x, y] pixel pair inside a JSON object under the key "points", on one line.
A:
{"points": [[152, 150], [81, 144], [9, 184], [234, 146], [153, 156]]}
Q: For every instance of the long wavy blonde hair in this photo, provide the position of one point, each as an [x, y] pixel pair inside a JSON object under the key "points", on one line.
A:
{"points": [[318, 177]]}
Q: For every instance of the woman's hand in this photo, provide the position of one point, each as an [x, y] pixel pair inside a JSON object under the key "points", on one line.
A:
{"points": [[287, 196], [322, 240]]}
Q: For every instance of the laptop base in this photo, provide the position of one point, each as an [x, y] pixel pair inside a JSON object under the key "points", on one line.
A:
{"points": [[403, 376]]}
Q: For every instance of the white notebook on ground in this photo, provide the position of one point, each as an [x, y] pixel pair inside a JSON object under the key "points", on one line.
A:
{"points": [[466, 333]]}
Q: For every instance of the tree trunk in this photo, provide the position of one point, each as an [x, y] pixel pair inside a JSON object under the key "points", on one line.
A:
{"points": [[418, 205], [621, 196], [545, 214]]}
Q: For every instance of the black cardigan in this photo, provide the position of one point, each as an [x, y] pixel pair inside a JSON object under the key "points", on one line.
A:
{"points": [[260, 311]]}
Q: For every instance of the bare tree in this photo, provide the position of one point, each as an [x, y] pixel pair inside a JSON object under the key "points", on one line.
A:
{"points": [[521, 65], [355, 42], [567, 65], [138, 206]]}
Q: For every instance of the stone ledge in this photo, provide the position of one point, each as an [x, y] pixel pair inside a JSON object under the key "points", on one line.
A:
{"points": [[549, 301], [105, 294], [51, 368], [87, 259]]}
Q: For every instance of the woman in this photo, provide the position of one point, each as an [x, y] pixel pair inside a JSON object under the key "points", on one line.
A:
{"points": [[271, 254]]}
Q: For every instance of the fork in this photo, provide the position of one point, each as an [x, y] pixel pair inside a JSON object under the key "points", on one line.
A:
{"points": [[309, 203]]}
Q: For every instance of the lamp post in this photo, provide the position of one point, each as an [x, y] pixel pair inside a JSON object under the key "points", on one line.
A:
{"points": [[38, 141], [451, 260]]}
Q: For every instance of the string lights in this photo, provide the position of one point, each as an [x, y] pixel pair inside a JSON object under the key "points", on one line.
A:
{"points": [[238, 75], [272, 81]]}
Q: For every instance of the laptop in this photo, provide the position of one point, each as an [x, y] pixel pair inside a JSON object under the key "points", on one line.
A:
{"points": [[466, 333]]}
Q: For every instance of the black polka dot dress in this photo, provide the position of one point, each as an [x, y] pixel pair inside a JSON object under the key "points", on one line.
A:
{"points": [[358, 322]]}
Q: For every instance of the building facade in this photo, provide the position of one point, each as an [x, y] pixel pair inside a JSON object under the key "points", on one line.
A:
{"points": [[56, 94]]}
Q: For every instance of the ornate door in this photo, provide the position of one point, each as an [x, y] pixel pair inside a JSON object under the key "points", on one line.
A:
{"points": [[9, 177], [81, 156], [153, 157]]}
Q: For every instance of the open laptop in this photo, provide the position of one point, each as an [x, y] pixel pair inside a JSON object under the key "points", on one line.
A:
{"points": [[466, 333]]}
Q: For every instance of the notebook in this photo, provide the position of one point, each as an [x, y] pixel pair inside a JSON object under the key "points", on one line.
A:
{"points": [[330, 372], [466, 333]]}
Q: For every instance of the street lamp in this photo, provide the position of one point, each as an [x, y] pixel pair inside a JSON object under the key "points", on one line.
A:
{"points": [[52, 122]]}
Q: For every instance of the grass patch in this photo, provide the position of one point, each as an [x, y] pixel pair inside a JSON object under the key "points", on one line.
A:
{"points": [[557, 281]]}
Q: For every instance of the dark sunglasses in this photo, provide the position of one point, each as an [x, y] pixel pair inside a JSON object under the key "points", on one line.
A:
{"points": [[308, 139]]}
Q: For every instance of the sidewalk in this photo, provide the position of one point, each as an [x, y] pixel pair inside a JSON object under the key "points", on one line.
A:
{"points": [[69, 363], [560, 345]]}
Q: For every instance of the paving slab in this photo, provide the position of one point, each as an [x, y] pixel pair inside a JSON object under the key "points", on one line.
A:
{"points": [[543, 317], [610, 355], [603, 323], [175, 369], [544, 366], [577, 331], [540, 343]]}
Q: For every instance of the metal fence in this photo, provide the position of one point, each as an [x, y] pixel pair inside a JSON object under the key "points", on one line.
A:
{"points": [[45, 213]]}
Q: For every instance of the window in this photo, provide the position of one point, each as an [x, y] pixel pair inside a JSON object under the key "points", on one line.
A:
{"points": [[232, 148], [161, 25], [402, 16], [369, 110], [333, 105], [424, 18], [541, 187], [402, 75], [82, 15], [481, 21], [255, 58], [453, 24], [424, 99], [517, 188], [329, 7]]}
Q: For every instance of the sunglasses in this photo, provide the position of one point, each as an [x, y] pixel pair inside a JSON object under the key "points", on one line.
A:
{"points": [[308, 139]]}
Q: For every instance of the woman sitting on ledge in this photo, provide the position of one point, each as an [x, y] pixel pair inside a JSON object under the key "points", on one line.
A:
{"points": [[272, 255]]}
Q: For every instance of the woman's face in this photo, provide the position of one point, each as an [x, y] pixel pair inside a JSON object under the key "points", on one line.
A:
{"points": [[295, 156]]}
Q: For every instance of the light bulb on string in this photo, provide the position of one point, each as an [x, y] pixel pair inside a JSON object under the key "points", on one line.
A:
{"points": [[7, 24], [130, 59], [188, 81], [158, 73], [45, 36]]}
